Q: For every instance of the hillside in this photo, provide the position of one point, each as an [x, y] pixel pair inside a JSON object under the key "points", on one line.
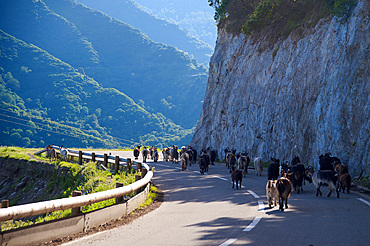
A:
{"points": [[160, 31], [305, 94], [163, 77], [79, 68], [194, 16], [61, 105]]}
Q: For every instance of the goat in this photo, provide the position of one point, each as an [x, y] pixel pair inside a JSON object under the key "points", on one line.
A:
{"points": [[243, 162], [236, 176], [284, 188], [166, 154], [271, 192], [325, 177], [227, 151], [284, 167], [298, 175], [327, 162], [204, 154], [145, 153], [155, 154], [231, 161], [137, 152], [295, 161], [258, 165], [51, 153], [184, 161], [341, 169], [344, 182], [63, 153], [202, 164], [273, 169], [174, 154]]}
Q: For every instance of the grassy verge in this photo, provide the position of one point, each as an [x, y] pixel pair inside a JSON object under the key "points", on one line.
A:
{"points": [[87, 178]]}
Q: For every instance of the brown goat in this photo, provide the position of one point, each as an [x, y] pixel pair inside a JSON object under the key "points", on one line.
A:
{"points": [[284, 187], [236, 176], [341, 169], [52, 154], [344, 182]]}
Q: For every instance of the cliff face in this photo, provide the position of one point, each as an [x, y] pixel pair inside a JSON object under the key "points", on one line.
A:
{"points": [[302, 97]]}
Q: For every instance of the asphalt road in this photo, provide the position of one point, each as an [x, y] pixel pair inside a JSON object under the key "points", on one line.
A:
{"points": [[205, 210]]}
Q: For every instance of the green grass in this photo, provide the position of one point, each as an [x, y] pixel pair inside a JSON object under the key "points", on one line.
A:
{"points": [[87, 178], [152, 196]]}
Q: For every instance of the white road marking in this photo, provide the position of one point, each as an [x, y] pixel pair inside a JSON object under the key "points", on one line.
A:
{"points": [[220, 178], [261, 206], [240, 186], [364, 201], [228, 242], [253, 224], [253, 194]]}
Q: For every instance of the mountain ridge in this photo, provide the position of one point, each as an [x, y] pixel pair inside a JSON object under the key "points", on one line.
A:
{"points": [[64, 90]]}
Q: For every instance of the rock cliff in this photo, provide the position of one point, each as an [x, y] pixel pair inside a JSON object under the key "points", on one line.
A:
{"points": [[304, 96]]}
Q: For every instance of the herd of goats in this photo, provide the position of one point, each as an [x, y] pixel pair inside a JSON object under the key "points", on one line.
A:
{"points": [[282, 177]]}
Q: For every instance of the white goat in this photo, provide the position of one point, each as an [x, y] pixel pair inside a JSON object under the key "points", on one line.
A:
{"points": [[258, 165]]}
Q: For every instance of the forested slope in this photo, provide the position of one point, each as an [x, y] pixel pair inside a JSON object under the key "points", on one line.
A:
{"points": [[68, 65]]}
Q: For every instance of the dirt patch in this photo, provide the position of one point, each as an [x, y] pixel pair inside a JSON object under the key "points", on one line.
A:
{"points": [[112, 224]]}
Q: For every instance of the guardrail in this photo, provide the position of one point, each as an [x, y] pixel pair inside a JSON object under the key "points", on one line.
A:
{"points": [[21, 211]]}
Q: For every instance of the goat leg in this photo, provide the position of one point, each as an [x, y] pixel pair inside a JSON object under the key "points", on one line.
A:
{"points": [[329, 193]]}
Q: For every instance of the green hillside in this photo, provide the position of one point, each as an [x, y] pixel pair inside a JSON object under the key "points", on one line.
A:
{"points": [[166, 79], [158, 30], [63, 64], [45, 101]]}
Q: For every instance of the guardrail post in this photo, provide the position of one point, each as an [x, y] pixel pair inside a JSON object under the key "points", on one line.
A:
{"points": [[4, 203], [93, 157], [76, 211], [129, 164], [116, 163], [139, 166], [105, 162], [119, 199], [80, 157]]}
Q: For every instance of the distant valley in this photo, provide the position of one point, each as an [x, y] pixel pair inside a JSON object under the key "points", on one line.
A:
{"points": [[74, 76]]}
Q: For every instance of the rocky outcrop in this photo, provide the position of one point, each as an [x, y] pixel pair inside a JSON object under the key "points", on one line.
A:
{"points": [[304, 96]]}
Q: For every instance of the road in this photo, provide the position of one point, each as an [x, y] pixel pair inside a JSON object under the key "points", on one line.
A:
{"points": [[205, 210]]}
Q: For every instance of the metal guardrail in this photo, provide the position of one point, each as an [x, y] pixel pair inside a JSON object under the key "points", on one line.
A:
{"points": [[31, 209]]}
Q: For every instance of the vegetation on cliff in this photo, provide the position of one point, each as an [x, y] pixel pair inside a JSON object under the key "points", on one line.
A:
{"points": [[280, 16]]}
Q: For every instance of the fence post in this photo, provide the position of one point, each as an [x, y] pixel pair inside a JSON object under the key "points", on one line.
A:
{"points": [[105, 163], [76, 211], [116, 164], [119, 199], [139, 166], [93, 157], [4, 203], [129, 164], [80, 157]]}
